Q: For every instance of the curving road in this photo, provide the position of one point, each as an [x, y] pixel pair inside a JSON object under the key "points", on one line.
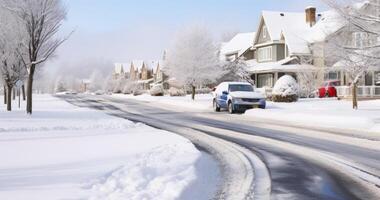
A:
{"points": [[261, 160]]}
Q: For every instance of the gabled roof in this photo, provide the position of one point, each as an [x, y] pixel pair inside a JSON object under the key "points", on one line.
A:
{"points": [[138, 64], [238, 44], [151, 65], [291, 25]]}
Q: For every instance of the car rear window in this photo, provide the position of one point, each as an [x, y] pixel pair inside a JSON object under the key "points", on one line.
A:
{"points": [[240, 88]]}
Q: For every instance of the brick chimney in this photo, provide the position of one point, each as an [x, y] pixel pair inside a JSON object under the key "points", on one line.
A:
{"points": [[311, 15]]}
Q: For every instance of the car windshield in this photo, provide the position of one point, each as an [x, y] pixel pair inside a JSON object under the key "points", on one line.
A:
{"points": [[240, 88]]}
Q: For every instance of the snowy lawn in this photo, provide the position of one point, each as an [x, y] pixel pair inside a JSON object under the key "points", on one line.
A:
{"points": [[66, 152], [328, 113]]}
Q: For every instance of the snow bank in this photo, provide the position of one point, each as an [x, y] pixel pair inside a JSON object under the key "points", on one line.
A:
{"points": [[66, 152], [150, 176]]}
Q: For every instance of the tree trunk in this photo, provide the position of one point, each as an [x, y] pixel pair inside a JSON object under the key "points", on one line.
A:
{"points": [[29, 90], [9, 98], [354, 97], [193, 92], [14, 93], [5, 95], [23, 92]]}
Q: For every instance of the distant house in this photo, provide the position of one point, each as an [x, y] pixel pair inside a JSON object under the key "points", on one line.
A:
{"points": [[118, 71], [159, 76], [85, 85]]}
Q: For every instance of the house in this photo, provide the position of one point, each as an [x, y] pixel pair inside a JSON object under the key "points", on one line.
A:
{"points": [[159, 76], [332, 27], [134, 70], [281, 46], [118, 71]]}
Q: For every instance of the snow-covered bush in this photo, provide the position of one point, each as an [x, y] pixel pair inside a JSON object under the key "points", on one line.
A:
{"points": [[286, 89], [176, 92], [129, 87], [138, 92], [157, 90]]}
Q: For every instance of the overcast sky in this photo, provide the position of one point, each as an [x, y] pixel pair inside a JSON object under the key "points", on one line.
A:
{"points": [[122, 30]]}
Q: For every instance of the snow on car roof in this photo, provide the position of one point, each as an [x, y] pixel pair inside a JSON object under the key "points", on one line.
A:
{"points": [[238, 83]]}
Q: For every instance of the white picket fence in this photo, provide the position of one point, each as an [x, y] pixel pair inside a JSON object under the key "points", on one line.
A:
{"points": [[363, 91]]}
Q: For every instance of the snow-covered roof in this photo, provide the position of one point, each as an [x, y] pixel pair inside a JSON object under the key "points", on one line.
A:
{"points": [[291, 25], [280, 66], [329, 23], [151, 65], [138, 64], [145, 81], [238, 44]]}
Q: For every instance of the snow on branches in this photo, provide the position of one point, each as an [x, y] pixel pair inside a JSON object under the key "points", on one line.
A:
{"points": [[36, 23], [193, 59]]}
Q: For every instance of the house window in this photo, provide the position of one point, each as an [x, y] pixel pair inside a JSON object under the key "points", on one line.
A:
{"points": [[264, 80], [332, 76], [265, 32], [368, 79], [359, 39], [265, 54], [377, 78]]}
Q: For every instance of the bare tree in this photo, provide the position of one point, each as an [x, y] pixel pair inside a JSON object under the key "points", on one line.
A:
{"points": [[355, 50], [11, 66], [193, 59], [40, 21]]}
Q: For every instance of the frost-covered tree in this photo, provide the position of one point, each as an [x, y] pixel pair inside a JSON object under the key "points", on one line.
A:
{"points": [[97, 81], [356, 49], [236, 71], [11, 66], [39, 21], [60, 85], [193, 59]]}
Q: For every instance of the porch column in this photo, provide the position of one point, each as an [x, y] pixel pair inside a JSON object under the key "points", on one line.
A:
{"points": [[275, 78], [256, 81], [373, 78], [342, 78]]}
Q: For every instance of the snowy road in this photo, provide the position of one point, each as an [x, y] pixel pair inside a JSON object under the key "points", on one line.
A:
{"points": [[275, 161]]}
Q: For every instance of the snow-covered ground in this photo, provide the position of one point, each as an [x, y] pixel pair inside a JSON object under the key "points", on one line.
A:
{"points": [[326, 113], [66, 152], [201, 102]]}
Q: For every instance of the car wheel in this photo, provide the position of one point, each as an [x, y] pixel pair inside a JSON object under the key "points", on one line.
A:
{"points": [[231, 108], [215, 106]]}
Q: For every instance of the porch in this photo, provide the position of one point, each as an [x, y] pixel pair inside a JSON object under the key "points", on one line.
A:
{"points": [[368, 86], [363, 92], [266, 74]]}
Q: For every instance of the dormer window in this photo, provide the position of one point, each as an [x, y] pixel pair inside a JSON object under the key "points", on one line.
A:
{"points": [[265, 32]]}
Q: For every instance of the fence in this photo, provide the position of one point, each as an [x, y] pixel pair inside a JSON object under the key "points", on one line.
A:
{"points": [[362, 91]]}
